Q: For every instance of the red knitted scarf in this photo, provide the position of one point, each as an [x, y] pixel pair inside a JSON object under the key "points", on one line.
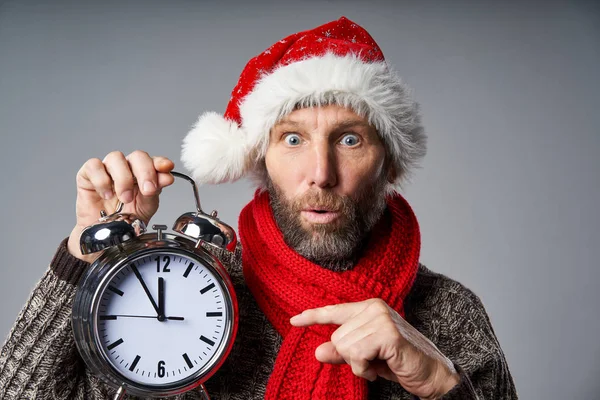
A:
{"points": [[285, 284]]}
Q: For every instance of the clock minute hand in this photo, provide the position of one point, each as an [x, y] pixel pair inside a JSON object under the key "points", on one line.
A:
{"points": [[161, 299], [137, 275]]}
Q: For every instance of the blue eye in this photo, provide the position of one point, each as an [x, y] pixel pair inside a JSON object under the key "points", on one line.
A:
{"points": [[349, 140], [292, 139]]}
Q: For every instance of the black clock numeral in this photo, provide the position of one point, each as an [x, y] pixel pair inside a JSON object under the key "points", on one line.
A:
{"points": [[166, 260], [161, 369]]}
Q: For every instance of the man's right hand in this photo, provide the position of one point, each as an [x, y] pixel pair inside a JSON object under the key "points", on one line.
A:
{"points": [[102, 183]]}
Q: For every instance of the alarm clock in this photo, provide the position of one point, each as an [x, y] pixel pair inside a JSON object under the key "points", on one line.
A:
{"points": [[156, 314]]}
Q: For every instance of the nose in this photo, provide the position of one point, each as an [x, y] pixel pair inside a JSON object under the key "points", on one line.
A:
{"points": [[322, 166]]}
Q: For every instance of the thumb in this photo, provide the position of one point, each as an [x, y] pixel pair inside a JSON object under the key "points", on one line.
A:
{"points": [[327, 353]]}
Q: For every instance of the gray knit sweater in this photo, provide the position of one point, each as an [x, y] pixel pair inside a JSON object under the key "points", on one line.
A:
{"points": [[39, 359]]}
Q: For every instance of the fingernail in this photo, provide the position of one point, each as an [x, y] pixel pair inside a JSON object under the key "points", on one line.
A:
{"points": [[127, 196], [108, 195], [149, 186]]}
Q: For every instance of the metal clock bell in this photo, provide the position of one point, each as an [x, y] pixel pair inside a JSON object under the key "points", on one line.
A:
{"points": [[156, 313]]}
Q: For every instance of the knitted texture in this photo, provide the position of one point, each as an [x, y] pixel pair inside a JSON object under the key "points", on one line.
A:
{"points": [[285, 284]]}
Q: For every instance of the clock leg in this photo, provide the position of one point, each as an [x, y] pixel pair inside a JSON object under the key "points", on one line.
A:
{"points": [[204, 393], [120, 393]]}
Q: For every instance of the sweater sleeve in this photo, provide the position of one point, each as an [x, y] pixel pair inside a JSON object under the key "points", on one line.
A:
{"points": [[464, 390], [483, 369], [454, 318], [39, 358]]}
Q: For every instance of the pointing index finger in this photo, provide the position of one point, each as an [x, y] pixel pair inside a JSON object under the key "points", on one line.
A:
{"points": [[337, 314]]}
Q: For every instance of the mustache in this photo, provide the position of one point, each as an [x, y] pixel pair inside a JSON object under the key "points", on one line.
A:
{"points": [[323, 200]]}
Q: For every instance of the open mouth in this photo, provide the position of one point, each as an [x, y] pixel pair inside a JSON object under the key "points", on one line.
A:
{"points": [[319, 216]]}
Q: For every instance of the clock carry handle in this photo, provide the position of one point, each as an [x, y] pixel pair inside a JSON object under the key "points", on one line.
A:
{"points": [[117, 228], [203, 227], [119, 207]]}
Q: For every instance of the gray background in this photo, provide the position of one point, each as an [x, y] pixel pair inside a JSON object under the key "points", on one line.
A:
{"points": [[506, 197]]}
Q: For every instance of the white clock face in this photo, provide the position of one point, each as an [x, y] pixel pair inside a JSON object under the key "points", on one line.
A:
{"points": [[162, 318]]}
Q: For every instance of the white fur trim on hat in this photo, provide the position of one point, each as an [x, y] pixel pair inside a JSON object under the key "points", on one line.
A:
{"points": [[214, 151]]}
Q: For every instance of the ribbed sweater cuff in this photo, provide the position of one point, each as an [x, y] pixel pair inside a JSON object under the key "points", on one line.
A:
{"points": [[464, 390], [67, 267]]}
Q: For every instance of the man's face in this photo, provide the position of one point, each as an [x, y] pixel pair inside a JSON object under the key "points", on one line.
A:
{"points": [[326, 181]]}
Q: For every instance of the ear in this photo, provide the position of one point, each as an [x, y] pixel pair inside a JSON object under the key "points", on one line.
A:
{"points": [[390, 168], [391, 176]]}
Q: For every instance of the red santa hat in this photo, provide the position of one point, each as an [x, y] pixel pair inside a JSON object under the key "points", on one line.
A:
{"points": [[335, 63]]}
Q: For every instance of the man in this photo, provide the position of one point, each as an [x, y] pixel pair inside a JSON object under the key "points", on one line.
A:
{"points": [[333, 302]]}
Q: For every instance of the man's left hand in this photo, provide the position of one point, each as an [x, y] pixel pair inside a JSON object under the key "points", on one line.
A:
{"points": [[376, 341]]}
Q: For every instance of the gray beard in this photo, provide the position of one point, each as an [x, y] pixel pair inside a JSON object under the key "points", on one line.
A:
{"points": [[335, 246]]}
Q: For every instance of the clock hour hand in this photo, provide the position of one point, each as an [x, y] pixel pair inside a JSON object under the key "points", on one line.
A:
{"points": [[161, 299], [137, 275]]}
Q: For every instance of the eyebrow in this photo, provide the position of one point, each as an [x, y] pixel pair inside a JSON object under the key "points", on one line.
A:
{"points": [[286, 122], [350, 123], [345, 124]]}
